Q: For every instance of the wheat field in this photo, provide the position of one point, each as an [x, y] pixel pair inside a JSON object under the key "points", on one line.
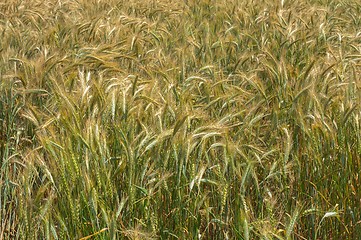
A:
{"points": [[197, 119]]}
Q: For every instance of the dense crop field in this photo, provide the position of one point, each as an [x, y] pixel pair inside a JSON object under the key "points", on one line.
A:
{"points": [[196, 119]]}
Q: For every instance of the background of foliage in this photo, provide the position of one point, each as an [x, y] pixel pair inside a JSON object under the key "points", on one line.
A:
{"points": [[180, 119]]}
